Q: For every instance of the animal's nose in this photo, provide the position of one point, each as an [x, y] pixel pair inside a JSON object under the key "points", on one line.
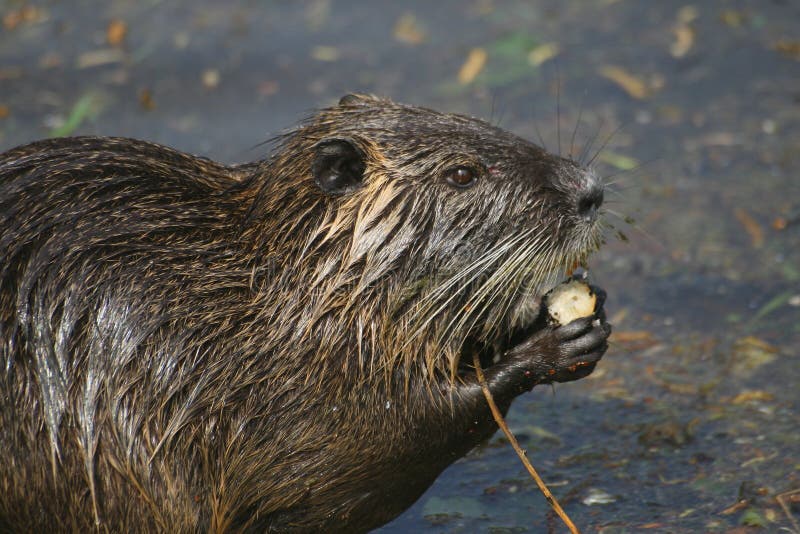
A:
{"points": [[589, 201]]}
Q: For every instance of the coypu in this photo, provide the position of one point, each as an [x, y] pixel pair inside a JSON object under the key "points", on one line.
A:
{"points": [[283, 345]]}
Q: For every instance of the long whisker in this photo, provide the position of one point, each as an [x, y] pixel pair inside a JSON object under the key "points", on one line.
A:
{"points": [[474, 300], [530, 266], [538, 131], [520, 278], [588, 147], [632, 224], [475, 265], [577, 125], [476, 269], [558, 109], [605, 143], [505, 277], [607, 179]]}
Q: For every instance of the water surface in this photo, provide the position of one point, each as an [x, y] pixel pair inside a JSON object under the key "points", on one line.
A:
{"points": [[691, 421]]}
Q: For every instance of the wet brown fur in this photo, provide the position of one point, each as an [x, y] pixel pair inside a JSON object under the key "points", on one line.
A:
{"points": [[191, 346]]}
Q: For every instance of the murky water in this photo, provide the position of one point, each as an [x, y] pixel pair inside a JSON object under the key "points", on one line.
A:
{"points": [[691, 422]]}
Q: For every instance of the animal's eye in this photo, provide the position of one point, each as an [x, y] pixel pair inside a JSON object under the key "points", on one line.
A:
{"points": [[462, 177]]}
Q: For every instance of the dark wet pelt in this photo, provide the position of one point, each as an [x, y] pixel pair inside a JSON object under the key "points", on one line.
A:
{"points": [[690, 423]]}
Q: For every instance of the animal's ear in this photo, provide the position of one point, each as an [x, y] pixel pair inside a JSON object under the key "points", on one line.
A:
{"points": [[338, 166], [358, 99]]}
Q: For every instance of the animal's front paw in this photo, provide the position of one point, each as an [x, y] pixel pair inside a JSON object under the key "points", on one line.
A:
{"points": [[563, 353]]}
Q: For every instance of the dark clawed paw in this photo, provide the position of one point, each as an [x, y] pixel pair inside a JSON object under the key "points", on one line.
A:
{"points": [[581, 345], [601, 297], [565, 353]]}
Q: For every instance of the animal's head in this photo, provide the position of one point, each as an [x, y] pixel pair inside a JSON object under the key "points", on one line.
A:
{"points": [[442, 225]]}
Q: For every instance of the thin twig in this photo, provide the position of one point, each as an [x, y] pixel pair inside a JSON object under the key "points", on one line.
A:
{"points": [[498, 417], [786, 509]]}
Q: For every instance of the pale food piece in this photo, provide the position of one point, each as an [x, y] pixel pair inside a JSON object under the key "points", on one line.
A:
{"points": [[569, 301]]}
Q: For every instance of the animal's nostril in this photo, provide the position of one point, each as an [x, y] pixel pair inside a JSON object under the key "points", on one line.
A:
{"points": [[589, 201]]}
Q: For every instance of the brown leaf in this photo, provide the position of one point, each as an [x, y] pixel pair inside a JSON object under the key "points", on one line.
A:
{"points": [[752, 395], [10, 73], [674, 387], [754, 342], [407, 30], [103, 56], [788, 48], [543, 53], [473, 66], [750, 353], [633, 335], [116, 32], [736, 507], [146, 99], [751, 226], [634, 86], [634, 339], [732, 18], [27, 14], [684, 40]]}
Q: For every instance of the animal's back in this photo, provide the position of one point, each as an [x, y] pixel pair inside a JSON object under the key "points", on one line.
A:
{"points": [[282, 346], [96, 237]]}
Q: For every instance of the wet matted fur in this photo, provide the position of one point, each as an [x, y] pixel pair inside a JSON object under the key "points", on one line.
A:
{"points": [[281, 345]]}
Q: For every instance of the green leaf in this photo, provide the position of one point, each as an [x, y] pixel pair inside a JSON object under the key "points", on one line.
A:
{"points": [[514, 46], [751, 518], [623, 163], [774, 303], [80, 111]]}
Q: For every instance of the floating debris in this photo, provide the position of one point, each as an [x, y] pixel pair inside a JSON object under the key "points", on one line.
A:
{"points": [[619, 161], [407, 30], [97, 58], [684, 40], [684, 33], [788, 48], [210, 78], [634, 340], [473, 66], [751, 226], [23, 15], [116, 32], [750, 396], [325, 53], [597, 496], [633, 85], [543, 53], [146, 100], [732, 18], [750, 353], [670, 433], [80, 111]]}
